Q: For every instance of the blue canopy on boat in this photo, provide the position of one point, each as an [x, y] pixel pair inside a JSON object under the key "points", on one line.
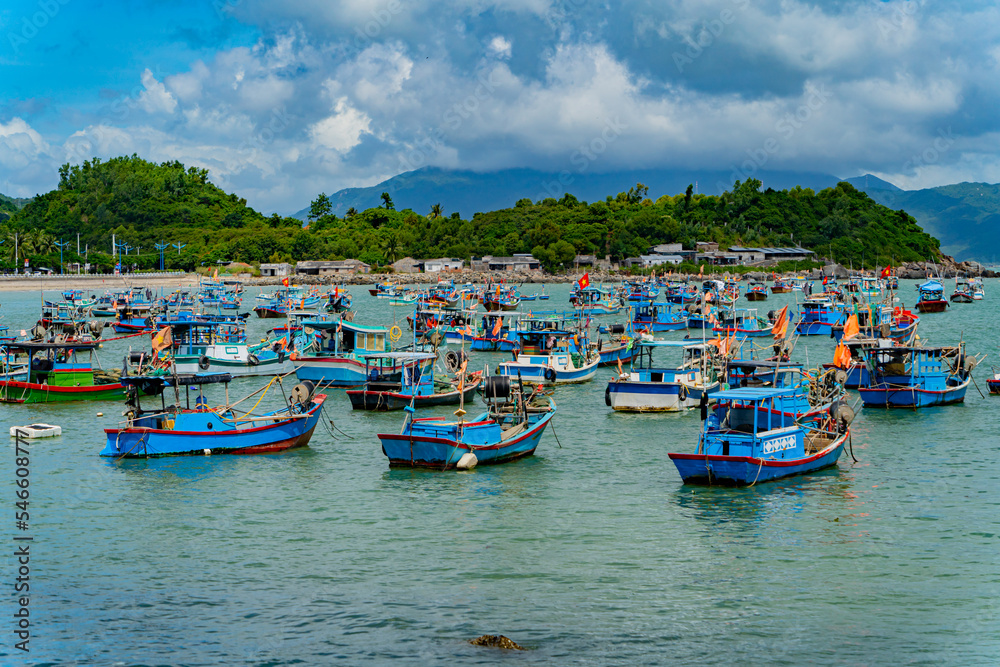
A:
{"points": [[755, 393], [931, 286]]}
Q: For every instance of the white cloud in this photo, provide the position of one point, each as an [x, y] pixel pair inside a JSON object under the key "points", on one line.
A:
{"points": [[155, 98], [341, 131]]}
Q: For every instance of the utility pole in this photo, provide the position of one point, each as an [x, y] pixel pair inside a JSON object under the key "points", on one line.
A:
{"points": [[61, 244]]}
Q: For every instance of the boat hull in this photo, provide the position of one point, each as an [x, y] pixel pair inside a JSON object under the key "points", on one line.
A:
{"points": [[14, 391], [654, 396], [932, 306], [383, 401], [894, 396], [267, 439], [444, 453], [746, 471]]}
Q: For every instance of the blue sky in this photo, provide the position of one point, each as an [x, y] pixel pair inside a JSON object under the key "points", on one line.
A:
{"points": [[282, 100]]}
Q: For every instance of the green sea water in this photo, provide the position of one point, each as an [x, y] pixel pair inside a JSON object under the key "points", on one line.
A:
{"points": [[590, 552]]}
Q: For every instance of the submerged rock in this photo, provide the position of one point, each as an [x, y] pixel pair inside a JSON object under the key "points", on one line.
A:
{"points": [[496, 641]]}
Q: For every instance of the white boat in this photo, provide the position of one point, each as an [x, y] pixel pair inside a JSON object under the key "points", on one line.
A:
{"points": [[671, 387]]}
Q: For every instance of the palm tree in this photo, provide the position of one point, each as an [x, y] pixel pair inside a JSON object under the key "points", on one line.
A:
{"points": [[391, 246], [351, 212], [436, 212], [40, 243]]}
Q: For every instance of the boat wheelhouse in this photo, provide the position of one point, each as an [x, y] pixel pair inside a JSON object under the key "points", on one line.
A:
{"points": [[400, 379], [931, 299], [916, 377], [671, 387], [551, 357]]}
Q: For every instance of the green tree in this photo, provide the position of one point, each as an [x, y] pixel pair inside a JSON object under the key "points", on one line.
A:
{"points": [[436, 212], [320, 206], [387, 202]]}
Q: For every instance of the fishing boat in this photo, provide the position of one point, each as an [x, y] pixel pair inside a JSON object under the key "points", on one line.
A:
{"points": [[551, 357], [595, 301], [222, 347], [494, 333], [819, 315], [334, 354], [649, 387], [742, 323], [931, 299], [57, 372], [994, 382], [756, 292], [963, 292], [978, 289], [916, 377], [400, 379], [169, 430], [780, 286], [761, 434], [658, 317], [510, 429]]}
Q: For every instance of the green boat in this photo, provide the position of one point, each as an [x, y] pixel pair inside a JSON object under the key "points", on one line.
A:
{"points": [[58, 373]]}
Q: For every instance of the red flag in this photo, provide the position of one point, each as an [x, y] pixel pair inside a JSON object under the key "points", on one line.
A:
{"points": [[585, 281], [284, 281], [887, 271], [824, 280]]}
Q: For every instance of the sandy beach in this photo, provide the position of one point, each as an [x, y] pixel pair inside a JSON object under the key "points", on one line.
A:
{"points": [[93, 283]]}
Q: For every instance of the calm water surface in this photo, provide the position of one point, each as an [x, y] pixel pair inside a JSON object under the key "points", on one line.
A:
{"points": [[591, 552]]}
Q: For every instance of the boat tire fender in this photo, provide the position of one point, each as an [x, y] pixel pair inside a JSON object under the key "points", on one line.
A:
{"points": [[607, 396], [550, 374], [682, 393], [204, 362], [252, 359]]}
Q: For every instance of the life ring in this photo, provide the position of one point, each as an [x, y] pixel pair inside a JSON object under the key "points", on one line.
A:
{"points": [[550, 374], [395, 333], [204, 362], [682, 393]]}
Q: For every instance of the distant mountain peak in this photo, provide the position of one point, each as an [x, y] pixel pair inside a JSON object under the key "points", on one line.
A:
{"points": [[870, 182]]}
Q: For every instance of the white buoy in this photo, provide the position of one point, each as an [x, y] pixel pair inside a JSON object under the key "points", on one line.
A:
{"points": [[208, 452], [100, 414], [467, 462], [32, 431]]}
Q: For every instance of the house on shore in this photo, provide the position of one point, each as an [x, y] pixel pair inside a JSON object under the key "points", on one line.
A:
{"points": [[519, 262], [648, 261], [337, 267], [280, 270]]}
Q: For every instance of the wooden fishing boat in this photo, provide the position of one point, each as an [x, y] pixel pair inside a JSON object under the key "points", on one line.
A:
{"points": [[334, 353], [994, 382], [819, 315], [664, 388], [757, 435], [963, 291], [200, 430], [931, 299], [658, 317], [916, 377], [510, 429], [399, 379], [58, 373], [756, 292], [551, 357]]}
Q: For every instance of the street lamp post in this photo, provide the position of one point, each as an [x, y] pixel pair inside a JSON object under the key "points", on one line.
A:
{"points": [[61, 244]]}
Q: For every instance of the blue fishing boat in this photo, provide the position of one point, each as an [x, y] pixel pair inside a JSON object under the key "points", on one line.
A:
{"points": [[741, 323], [916, 377], [658, 317], [400, 379], [551, 357], [753, 435], [819, 316], [649, 387], [931, 299], [335, 352], [510, 429], [173, 430]]}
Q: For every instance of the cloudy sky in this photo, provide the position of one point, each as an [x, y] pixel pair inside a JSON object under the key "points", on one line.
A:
{"points": [[282, 100]]}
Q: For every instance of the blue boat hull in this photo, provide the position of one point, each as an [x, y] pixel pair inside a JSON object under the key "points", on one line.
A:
{"points": [[745, 471], [443, 453], [885, 396], [150, 442]]}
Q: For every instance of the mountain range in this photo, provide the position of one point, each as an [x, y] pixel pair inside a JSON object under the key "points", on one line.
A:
{"points": [[963, 216]]}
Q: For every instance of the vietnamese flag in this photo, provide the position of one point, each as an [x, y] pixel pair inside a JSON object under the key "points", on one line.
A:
{"points": [[585, 281], [284, 281], [887, 271]]}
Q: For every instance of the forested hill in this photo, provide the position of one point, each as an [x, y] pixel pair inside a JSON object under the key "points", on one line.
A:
{"points": [[144, 203], [9, 206]]}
